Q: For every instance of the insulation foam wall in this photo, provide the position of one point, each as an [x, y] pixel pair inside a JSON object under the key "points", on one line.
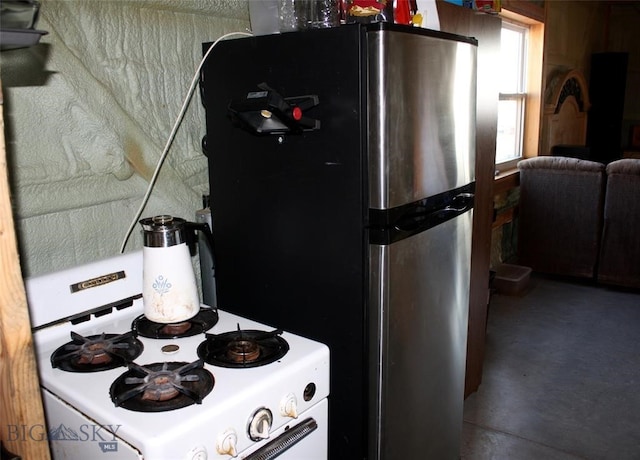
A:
{"points": [[88, 112]]}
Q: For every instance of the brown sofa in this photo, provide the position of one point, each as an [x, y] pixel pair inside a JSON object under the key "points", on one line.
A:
{"points": [[580, 218], [560, 215], [620, 248]]}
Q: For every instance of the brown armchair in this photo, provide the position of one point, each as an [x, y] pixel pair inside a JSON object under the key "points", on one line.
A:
{"points": [[560, 215], [620, 250]]}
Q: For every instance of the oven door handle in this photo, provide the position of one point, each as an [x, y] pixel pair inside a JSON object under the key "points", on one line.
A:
{"points": [[283, 442]]}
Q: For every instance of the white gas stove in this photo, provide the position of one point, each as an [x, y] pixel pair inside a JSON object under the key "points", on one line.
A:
{"points": [[202, 396]]}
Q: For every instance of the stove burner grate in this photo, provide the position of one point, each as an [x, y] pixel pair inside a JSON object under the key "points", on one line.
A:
{"points": [[202, 322], [97, 353], [161, 387], [243, 348]]}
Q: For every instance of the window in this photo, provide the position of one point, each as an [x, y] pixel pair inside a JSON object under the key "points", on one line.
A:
{"points": [[520, 87], [513, 97]]}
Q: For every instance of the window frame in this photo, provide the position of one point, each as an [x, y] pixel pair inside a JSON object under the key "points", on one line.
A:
{"points": [[520, 95], [532, 116]]}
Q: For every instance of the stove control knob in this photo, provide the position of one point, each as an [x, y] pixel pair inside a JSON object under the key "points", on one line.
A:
{"points": [[289, 406], [260, 424], [227, 443], [197, 453]]}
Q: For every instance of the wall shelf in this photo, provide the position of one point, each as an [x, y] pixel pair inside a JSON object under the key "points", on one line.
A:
{"points": [[19, 38]]}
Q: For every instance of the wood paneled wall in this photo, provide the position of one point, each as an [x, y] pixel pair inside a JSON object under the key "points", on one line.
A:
{"points": [[486, 29]]}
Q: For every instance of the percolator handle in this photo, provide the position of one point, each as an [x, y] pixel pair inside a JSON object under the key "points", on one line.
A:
{"points": [[191, 236]]}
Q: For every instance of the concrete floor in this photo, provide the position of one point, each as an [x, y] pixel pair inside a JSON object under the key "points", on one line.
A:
{"points": [[561, 377]]}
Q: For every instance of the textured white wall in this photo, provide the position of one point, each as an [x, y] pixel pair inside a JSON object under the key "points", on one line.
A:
{"points": [[84, 141]]}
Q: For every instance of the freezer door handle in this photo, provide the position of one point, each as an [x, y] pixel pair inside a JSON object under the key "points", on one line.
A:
{"points": [[461, 203], [387, 226], [426, 219]]}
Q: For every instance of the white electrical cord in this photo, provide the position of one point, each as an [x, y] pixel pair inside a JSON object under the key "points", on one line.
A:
{"points": [[172, 135]]}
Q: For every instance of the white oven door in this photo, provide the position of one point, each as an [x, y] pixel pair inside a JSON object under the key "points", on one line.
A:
{"points": [[73, 436]]}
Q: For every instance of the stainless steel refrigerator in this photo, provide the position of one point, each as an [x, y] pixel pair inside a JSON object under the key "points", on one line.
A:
{"points": [[341, 167]]}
